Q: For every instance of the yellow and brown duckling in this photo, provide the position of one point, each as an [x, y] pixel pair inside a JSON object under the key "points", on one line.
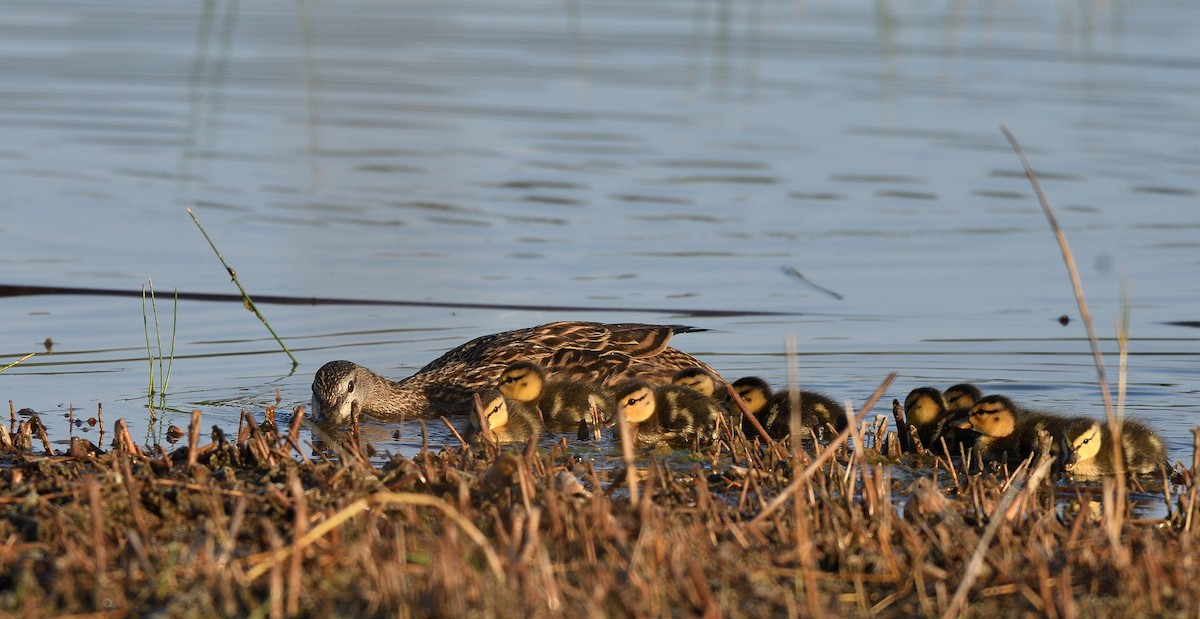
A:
{"points": [[561, 402], [994, 419], [927, 410], [1090, 452], [509, 420], [774, 410], [602, 354], [700, 380], [707, 384], [961, 396], [1006, 429], [667, 413]]}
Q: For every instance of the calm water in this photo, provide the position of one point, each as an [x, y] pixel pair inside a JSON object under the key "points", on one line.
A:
{"points": [[670, 156]]}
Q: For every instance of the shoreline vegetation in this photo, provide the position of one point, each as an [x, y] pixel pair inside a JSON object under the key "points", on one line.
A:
{"points": [[257, 525]]}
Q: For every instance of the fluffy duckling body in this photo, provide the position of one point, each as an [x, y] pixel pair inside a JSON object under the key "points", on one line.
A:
{"points": [[699, 380], [561, 402], [510, 421], [1090, 452], [927, 410], [774, 410], [1004, 428], [666, 413], [602, 354], [706, 384], [994, 419]]}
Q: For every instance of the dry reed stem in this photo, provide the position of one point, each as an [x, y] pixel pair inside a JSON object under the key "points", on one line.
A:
{"points": [[627, 454], [971, 572], [450, 427], [485, 430], [193, 437], [264, 563], [1113, 520], [802, 479]]}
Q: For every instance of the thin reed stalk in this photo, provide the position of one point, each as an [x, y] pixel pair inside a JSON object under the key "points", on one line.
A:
{"points": [[246, 300], [14, 363], [1113, 521]]}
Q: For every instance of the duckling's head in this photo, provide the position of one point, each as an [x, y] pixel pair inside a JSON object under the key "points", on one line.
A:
{"points": [[635, 400], [697, 379], [994, 416], [754, 391], [495, 410], [1083, 442], [962, 395], [340, 390], [522, 381], [924, 406]]}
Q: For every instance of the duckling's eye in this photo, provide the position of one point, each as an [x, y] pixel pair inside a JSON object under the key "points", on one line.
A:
{"points": [[350, 387], [495, 409]]}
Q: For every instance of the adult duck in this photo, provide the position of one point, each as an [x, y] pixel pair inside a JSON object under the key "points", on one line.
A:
{"points": [[602, 354]]}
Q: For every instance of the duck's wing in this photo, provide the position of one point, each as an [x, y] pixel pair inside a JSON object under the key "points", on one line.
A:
{"points": [[602, 354]]}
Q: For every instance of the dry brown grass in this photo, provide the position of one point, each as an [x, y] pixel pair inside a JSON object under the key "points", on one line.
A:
{"points": [[251, 529]]}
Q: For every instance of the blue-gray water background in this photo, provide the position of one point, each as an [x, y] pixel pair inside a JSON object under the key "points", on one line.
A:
{"points": [[673, 154]]}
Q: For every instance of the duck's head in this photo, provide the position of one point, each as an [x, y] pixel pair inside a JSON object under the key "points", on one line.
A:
{"points": [[754, 391], [962, 395], [924, 406], [495, 410], [522, 381], [1083, 442], [697, 379], [994, 416], [341, 390], [635, 400]]}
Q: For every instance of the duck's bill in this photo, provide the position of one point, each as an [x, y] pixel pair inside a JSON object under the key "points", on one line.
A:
{"points": [[331, 413], [1071, 461]]}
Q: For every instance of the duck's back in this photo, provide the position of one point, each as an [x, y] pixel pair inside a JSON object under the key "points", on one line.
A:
{"points": [[596, 353]]}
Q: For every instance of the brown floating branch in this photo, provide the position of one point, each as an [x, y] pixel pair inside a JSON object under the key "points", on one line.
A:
{"points": [[794, 272], [15, 290]]}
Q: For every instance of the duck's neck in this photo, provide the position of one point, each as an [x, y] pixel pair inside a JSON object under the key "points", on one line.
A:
{"points": [[413, 397]]}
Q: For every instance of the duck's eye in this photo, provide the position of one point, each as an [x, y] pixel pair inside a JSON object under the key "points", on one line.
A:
{"points": [[350, 387], [495, 410]]}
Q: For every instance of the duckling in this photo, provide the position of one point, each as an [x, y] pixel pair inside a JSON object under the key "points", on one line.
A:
{"points": [[706, 384], [697, 379], [666, 413], [602, 354], [509, 420], [927, 410], [560, 401], [961, 396], [1089, 453], [1004, 428], [774, 410]]}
